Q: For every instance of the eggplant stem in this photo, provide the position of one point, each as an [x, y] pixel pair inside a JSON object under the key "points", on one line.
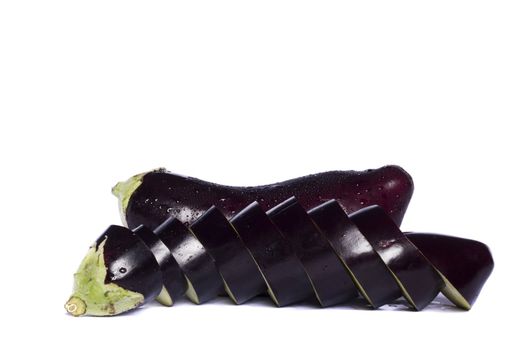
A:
{"points": [[75, 306], [123, 191]]}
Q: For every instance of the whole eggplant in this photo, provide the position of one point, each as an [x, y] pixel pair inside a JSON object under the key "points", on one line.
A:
{"points": [[150, 198]]}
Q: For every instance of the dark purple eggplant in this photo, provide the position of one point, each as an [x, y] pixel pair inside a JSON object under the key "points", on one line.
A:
{"points": [[242, 279], [417, 279], [172, 276], [149, 198], [371, 276], [331, 282], [464, 264], [125, 268], [203, 280], [283, 272], [119, 273]]}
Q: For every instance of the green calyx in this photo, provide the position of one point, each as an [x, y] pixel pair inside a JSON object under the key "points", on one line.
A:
{"points": [[124, 190], [92, 296]]}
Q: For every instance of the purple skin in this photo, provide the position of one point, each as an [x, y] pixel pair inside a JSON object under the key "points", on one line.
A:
{"points": [[332, 283], [132, 261], [233, 260], [161, 194], [375, 282], [193, 259], [151, 198], [172, 276], [286, 278], [465, 263], [419, 281]]}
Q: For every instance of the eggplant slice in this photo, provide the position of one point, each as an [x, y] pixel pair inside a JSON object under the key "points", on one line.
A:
{"points": [[463, 264], [174, 281], [370, 274], [282, 271], [203, 279], [130, 264], [331, 282], [119, 273], [242, 279], [418, 280]]}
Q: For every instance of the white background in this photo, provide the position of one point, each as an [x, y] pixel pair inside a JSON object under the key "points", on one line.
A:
{"points": [[246, 93]]}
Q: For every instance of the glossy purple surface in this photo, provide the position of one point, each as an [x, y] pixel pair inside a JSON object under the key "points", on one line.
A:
{"points": [[233, 260], [192, 258], [413, 271], [163, 194], [274, 255], [129, 262], [332, 283], [172, 276], [466, 263], [357, 253]]}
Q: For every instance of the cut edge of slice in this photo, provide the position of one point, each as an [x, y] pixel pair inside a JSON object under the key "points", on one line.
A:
{"points": [[453, 294], [404, 291], [164, 297], [229, 292], [191, 293]]}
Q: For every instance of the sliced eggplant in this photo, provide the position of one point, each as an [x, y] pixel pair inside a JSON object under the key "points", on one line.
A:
{"points": [[203, 279], [130, 264], [417, 279], [118, 274], [174, 281], [330, 280], [282, 271], [463, 264], [241, 276], [150, 198], [370, 274], [291, 253]]}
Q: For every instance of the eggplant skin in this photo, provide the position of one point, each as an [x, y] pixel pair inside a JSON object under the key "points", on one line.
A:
{"points": [[130, 263], [464, 263], [150, 198], [415, 275], [118, 274]]}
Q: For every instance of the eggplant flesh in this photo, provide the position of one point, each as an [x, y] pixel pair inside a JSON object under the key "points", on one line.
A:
{"points": [[331, 282], [150, 198]]}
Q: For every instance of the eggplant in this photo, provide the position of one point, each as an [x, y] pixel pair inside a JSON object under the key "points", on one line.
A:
{"points": [[293, 254], [242, 279], [172, 276], [331, 282], [119, 273], [418, 280], [149, 198], [463, 264], [203, 280], [371, 276], [282, 271]]}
